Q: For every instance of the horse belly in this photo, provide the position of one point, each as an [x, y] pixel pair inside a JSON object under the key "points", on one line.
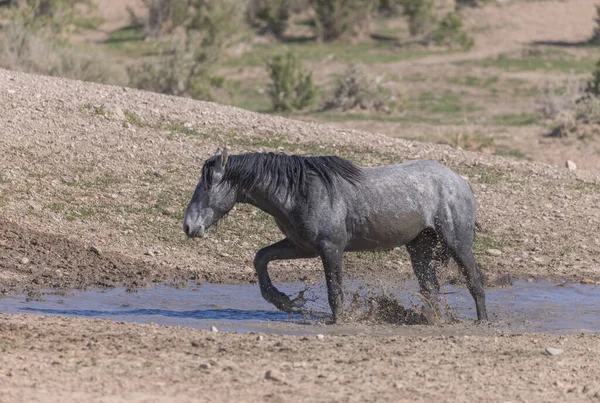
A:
{"points": [[386, 231]]}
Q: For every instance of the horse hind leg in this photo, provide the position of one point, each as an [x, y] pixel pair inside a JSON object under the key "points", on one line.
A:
{"points": [[422, 256], [459, 240]]}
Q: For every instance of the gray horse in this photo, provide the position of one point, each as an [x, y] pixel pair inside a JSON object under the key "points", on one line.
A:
{"points": [[327, 205]]}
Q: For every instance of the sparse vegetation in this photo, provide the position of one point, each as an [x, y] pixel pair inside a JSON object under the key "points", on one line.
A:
{"points": [[355, 89], [27, 46], [420, 15], [338, 18], [577, 109], [449, 32], [187, 62], [271, 14], [554, 100], [291, 86]]}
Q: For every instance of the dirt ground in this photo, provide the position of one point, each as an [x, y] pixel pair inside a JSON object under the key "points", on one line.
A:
{"points": [[49, 359], [93, 183]]}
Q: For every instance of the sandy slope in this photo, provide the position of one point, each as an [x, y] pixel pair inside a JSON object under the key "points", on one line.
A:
{"points": [[72, 169]]}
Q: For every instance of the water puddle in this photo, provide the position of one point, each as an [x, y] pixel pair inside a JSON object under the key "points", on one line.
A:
{"points": [[524, 307]]}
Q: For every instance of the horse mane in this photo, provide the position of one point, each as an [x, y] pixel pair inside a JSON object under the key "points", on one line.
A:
{"points": [[292, 173]]}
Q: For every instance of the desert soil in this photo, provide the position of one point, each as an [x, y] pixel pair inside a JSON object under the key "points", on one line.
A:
{"points": [[93, 183], [49, 359]]}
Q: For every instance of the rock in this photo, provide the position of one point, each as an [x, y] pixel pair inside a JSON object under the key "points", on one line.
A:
{"points": [[214, 329], [24, 260], [274, 375], [299, 364], [554, 351], [149, 253], [205, 365], [260, 337], [494, 252], [95, 250], [58, 273], [587, 281], [570, 165], [320, 336]]}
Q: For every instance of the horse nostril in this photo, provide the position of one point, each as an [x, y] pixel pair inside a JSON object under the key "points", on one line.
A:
{"points": [[186, 228]]}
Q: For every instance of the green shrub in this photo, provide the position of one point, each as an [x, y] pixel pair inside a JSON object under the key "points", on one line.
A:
{"points": [[291, 86], [338, 18], [420, 15], [449, 32], [592, 87], [188, 60], [180, 71], [354, 89], [274, 14]]}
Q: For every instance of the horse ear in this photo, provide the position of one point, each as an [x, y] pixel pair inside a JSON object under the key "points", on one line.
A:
{"points": [[224, 157]]}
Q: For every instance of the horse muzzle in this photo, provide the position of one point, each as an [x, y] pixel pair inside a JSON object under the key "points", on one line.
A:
{"points": [[193, 231]]}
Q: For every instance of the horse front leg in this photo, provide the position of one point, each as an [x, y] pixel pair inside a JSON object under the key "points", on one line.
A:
{"points": [[331, 255], [281, 250]]}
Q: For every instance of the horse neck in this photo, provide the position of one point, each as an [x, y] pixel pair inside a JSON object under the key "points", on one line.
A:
{"points": [[274, 204]]}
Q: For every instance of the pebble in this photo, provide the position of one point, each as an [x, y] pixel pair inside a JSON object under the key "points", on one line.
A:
{"points": [[554, 351], [260, 337], [494, 252], [274, 375], [587, 281], [94, 250], [205, 365], [320, 336], [24, 260], [570, 165], [149, 253], [214, 329]]}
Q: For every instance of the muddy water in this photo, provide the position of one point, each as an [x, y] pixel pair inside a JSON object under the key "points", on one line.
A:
{"points": [[523, 307]]}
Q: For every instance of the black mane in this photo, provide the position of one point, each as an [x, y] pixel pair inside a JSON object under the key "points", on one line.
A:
{"points": [[293, 173]]}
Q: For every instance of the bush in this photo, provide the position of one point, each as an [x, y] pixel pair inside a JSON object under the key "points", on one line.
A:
{"points": [[354, 89], [188, 60], [338, 18], [449, 32], [588, 110], [291, 86], [592, 87], [576, 110], [24, 47], [274, 14], [178, 71], [420, 15], [554, 101], [164, 16]]}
